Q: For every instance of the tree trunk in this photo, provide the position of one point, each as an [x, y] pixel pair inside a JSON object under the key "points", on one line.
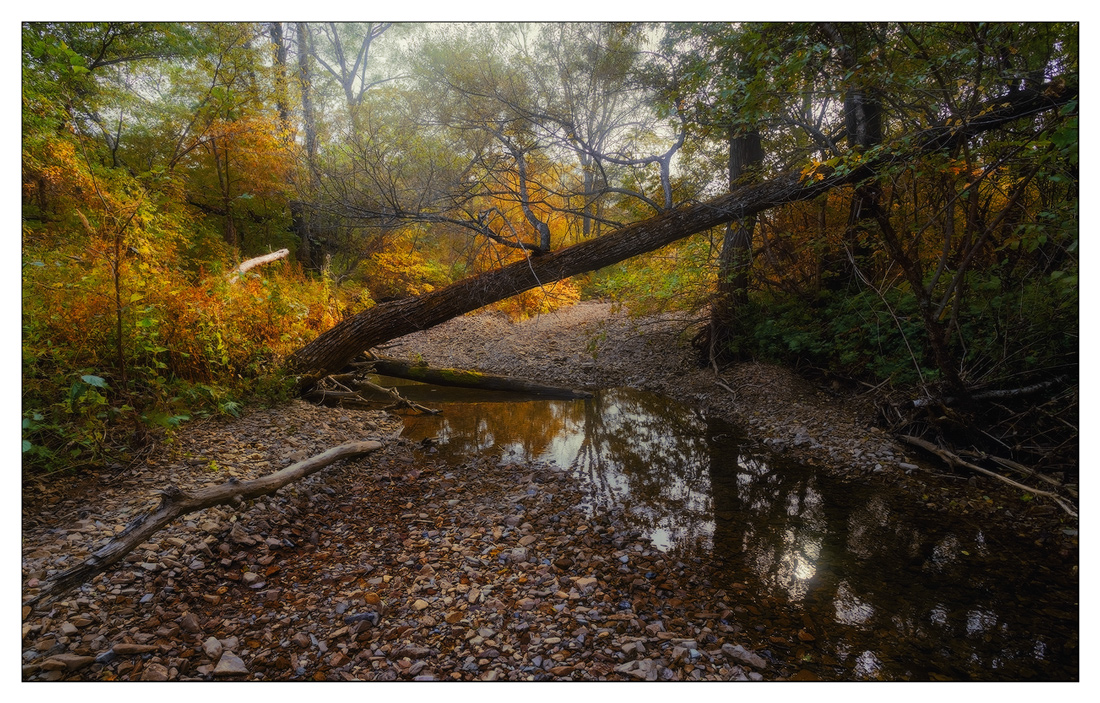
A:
{"points": [[735, 258], [301, 214], [332, 350]]}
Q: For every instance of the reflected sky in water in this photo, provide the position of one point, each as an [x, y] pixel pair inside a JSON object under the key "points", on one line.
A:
{"points": [[896, 591]]}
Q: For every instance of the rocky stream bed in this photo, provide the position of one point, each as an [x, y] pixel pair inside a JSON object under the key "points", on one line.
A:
{"points": [[402, 566]]}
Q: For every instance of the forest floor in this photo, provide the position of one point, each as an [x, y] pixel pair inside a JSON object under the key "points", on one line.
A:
{"points": [[398, 566]]}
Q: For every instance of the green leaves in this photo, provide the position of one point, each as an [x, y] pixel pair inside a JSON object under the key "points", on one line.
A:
{"points": [[95, 381]]}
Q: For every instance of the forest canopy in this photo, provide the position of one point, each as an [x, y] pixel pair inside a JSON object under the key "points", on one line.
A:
{"points": [[393, 160]]}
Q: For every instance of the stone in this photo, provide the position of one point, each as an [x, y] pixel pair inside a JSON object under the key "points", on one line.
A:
{"points": [[66, 662], [212, 648], [586, 585], [338, 659], [420, 604], [249, 578], [154, 672], [743, 655], [189, 623], [230, 665], [231, 643], [452, 617], [237, 535]]}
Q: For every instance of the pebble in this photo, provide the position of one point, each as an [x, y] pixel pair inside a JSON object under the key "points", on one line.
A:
{"points": [[230, 665], [212, 648]]}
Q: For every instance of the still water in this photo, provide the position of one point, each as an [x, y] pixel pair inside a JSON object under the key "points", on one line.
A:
{"points": [[897, 591]]}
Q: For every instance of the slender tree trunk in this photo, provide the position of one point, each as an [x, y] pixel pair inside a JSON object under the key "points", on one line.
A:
{"points": [[332, 350], [863, 123], [302, 218], [735, 259]]}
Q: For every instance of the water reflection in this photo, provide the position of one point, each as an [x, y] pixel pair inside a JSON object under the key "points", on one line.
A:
{"points": [[895, 592]]}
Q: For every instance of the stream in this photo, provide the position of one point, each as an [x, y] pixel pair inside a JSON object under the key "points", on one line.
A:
{"points": [[892, 589]]}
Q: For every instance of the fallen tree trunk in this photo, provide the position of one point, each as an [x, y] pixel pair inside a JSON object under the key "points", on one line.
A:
{"points": [[175, 503], [464, 378], [260, 260], [332, 350]]}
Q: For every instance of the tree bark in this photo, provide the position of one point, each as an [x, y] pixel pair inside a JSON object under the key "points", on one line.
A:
{"points": [[175, 503], [333, 349], [463, 378]]}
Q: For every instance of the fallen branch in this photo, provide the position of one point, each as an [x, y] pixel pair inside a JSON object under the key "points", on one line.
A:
{"points": [[175, 503], [258, 261], [953, 459], [463, 378], [399, 400], [992, 395]]}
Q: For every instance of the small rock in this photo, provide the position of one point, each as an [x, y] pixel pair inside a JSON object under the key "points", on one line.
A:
{"points": [[230, 665], [420, 604], [154, 672], [741, 654], [586, 585], [237, 535], [189, 623], [249, 578], [67, 662], [212, 647], [338, 659]]}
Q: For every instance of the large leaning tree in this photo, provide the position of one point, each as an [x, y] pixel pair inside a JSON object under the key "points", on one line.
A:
{"points": [[334, 349]]}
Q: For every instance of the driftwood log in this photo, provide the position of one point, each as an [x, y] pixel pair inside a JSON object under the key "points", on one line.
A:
{"points": [[258, 261], [464, 378], [175, 503]]}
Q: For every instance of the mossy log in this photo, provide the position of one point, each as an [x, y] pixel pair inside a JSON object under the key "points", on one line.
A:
{"points": [[465, 378]]}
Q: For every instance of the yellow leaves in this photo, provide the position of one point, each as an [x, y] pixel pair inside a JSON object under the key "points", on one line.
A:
{"points": [[540, 301]]}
